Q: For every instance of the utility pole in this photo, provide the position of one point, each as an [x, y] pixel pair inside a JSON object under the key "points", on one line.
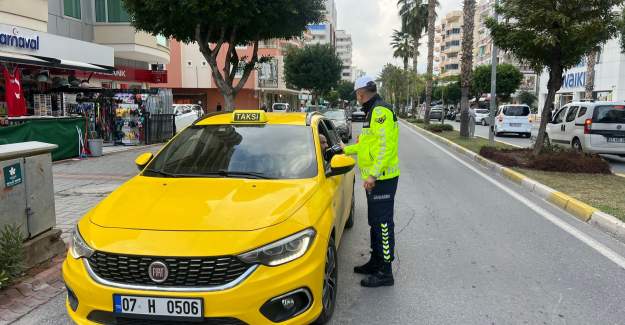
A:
{"points": [[493, 86]]}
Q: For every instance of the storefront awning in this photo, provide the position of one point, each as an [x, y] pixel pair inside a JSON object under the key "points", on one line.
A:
{"points": [[52, 63]]}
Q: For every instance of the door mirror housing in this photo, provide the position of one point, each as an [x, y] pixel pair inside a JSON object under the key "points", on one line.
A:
{"points": [[340, 165], [143, 160]]}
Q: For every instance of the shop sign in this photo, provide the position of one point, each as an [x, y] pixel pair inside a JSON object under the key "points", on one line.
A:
{"points": [[15, 39], [12, 175], [574, 80], [130, 74]]}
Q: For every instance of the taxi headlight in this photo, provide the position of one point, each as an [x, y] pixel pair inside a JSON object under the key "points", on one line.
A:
{"points": [[79, 247], [281, 251]]}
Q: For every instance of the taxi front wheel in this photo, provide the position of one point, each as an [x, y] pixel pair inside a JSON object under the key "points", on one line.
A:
{"points": [[330, 282]]}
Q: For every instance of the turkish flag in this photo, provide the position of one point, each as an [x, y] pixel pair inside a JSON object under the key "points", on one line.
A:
{"points": [[16, 103]]}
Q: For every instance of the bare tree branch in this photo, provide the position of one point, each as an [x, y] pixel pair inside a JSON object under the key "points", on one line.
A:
{"points": [[235, 62], [248, 68]]}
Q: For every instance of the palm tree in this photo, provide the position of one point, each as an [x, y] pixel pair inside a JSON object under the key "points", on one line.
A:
{"points": [[431, 14], [414, 15], [403, 46], [591, 63], [466, 69]]}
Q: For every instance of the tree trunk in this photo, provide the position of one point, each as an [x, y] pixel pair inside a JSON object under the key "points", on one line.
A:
{"points": [[466, 69], [415, 53], [406, 63], [590, 73], [554, 84], [430, 71], [229, 101]]}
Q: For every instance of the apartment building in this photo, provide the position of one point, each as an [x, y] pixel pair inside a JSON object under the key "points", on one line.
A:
{"points": [[344, 51], [450, 38], [325, 32], [483, 47]]}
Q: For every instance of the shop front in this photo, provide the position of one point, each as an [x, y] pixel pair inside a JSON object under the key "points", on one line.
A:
{"points": [[68, 92]]}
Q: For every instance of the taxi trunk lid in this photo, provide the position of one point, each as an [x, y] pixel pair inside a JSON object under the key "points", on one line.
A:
{"points": [[201, 204]]}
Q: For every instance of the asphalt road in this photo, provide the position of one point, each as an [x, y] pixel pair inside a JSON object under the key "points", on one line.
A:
{"points": [[472, 248]]}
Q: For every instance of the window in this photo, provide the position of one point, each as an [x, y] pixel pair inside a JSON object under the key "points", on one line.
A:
{"points": [[582, 111], [100, 11], [560, 116], [71, 8], [609, 114], [570, 117], [111, 11], [516, 111], [238, 151]]}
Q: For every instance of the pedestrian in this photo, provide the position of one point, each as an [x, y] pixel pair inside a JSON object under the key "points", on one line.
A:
{"points": [[472, 117], [379, 169], [264, 107], [218, 107]]}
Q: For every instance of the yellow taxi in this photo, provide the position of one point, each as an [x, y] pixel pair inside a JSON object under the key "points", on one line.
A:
{"points": [[236, 220]]}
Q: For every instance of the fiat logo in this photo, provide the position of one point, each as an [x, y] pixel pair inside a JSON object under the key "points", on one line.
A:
{"points": [[158, 272], [618, 127]]}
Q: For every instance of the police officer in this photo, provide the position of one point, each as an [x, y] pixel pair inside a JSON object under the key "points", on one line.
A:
{"points": [[379, 168]]}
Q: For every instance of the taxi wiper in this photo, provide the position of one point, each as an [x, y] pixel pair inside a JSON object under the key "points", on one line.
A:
{"points": [[248, 174], [162, 173]]}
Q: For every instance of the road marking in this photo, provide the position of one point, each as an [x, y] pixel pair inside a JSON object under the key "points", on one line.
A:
{"points": [[597, 246]]}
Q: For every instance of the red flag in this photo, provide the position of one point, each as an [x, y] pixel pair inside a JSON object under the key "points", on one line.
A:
{"points": [[16, 104]]}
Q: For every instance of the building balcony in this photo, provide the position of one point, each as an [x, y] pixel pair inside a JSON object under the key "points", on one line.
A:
{"points": [[132, 44]]}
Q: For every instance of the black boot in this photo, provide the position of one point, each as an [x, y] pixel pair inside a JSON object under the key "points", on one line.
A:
{"points": [[382, 277], [367, 268]]}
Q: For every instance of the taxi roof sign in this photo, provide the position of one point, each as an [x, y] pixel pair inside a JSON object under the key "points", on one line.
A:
{"points": [[249, 116]]}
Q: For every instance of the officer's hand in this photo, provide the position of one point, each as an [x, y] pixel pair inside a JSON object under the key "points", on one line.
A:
{"points": [[342, 145], [369, 184]]}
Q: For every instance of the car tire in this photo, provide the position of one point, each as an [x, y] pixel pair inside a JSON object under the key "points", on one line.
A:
{"points": [[577, 145], [330, 282], [547, 141], [350, 219]]}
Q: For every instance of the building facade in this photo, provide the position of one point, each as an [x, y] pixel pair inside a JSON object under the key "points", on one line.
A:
{"points": [[450, 38], [483, 48], [609, 78], [325, 32], [192, 82], [344, 51]]}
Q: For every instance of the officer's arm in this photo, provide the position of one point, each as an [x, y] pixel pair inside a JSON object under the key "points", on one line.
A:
{"points": [[351, 149], [381, 126]]}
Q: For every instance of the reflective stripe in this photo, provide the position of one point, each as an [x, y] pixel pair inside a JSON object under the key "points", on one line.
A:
{"points": [[386, 247]]}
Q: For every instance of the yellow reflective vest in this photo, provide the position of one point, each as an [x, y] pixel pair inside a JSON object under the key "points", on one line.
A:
{"points": [[378, 143]]}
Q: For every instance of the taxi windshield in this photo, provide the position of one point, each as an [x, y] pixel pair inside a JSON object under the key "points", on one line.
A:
{"points": [[238, 151]]}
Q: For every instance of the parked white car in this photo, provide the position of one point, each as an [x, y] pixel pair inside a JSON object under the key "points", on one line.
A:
{"points": [[186, 114], [481, 116], [592, 127], [280, 107], [513, 119]]}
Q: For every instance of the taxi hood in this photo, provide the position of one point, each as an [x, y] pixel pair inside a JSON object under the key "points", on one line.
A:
{"points": [[201, 204]]}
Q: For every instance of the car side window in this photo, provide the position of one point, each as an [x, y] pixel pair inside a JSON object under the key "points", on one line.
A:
{"points": [[560, 116], [570, 117], [334, 137], [582, 111]]}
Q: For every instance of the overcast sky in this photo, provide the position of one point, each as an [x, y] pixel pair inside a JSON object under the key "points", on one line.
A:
{"points": [[371, 25]]}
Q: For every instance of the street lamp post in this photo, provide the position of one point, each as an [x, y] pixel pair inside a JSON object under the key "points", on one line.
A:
{"points": [[493, 86]]}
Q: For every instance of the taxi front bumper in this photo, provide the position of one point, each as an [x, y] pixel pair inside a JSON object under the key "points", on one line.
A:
{"points": [[241, 302]]}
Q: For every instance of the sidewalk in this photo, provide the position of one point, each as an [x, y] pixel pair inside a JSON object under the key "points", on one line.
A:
{"points": [[79, 185]]}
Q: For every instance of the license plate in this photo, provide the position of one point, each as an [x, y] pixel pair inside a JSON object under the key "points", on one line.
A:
{"points": [[616, 140], [158, 306], [515, 125]]}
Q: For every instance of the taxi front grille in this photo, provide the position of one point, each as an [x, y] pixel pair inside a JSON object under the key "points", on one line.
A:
{"points": [[109, 318], [183, 272]]}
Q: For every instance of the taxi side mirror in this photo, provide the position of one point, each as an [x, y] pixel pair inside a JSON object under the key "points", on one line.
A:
{"points": [[340, 164], [143, 160]]}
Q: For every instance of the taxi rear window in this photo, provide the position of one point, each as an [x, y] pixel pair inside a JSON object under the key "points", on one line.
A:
{"points": [[233, 150]]}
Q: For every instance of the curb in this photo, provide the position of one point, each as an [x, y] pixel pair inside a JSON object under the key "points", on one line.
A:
{"points": [[578, 209]]}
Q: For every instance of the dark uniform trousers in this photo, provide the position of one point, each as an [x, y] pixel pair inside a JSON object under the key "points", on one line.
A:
{"points": [[380, 206]]}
